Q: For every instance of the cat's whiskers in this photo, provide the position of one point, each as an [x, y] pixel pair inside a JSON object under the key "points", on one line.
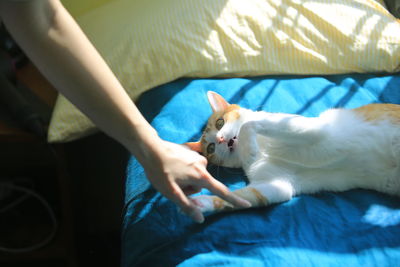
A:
{"points": [[221, 161], [217, 169], [223, 156]]}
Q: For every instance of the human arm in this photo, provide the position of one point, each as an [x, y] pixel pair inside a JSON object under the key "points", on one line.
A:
{"points": [[61, 51]]}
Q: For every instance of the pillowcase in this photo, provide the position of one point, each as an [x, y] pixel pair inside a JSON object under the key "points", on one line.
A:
{"points": [[149, 43]]}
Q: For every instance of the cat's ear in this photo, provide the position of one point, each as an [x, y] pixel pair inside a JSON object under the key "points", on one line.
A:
{"points": [[195, 146], [217, 102]]}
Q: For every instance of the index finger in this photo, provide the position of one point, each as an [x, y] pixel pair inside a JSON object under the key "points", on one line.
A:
{"points": [[219, 189]]}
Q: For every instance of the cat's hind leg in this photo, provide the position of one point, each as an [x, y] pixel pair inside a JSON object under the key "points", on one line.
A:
{"points": [[259, 194]]}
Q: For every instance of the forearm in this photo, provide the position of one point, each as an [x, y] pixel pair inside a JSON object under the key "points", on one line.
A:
{"points": [[53, 41], [58, 47]]}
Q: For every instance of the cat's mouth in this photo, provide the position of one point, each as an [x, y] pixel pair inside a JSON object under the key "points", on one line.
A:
{"points": [[231, 143]]}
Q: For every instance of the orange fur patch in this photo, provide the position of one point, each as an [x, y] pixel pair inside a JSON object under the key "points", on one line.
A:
{"points": [[232, 113], [220, 204], [261, 200], [253, 195], [374, 112]]}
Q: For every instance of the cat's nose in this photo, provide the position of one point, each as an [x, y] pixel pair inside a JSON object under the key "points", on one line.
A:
{"points": [[220, 139]]}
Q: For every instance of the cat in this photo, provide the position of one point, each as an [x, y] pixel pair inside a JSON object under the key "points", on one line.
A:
{"points": [[284, 155]]}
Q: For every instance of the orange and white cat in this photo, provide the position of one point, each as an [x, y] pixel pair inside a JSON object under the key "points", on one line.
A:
{"points": [[284, 155]]}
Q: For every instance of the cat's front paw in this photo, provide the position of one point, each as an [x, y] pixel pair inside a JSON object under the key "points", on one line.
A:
{"points": [[203, 202], [208, 204]]}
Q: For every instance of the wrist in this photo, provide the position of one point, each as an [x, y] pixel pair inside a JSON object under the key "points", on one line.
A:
{"points": [[144, 144]]}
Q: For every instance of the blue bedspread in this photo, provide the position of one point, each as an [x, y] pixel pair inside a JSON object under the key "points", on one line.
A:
{"points": [[354, 228]]}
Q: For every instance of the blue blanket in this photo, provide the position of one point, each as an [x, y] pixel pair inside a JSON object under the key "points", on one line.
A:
{"points": [[354, 228]]}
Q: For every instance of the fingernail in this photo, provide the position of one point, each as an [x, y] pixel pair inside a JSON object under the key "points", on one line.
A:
{"points": [[197, 217], [245, 203]]}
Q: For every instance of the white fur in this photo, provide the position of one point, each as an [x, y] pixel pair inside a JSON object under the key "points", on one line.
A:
{"points": [[337, 151]]}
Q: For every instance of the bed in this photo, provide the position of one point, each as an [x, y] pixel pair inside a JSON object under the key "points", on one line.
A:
{"points": [[294, 56], [354, 228]]}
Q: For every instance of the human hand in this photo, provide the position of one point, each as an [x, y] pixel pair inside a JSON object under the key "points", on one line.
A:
{"points": [[176, 172]]}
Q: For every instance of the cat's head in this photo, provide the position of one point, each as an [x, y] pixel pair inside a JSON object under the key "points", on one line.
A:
{"points": [[219, 142]]}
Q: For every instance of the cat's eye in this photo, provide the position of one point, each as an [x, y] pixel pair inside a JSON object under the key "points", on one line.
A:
{"points": [[211, 148], [219, 123]]}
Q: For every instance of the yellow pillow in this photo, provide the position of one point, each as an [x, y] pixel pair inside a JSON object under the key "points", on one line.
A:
{"points": [[148, 43]]}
